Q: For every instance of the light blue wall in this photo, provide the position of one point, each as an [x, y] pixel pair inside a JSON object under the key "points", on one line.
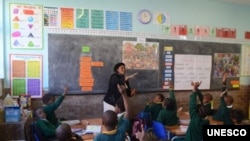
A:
{"points": [[187, 12]]}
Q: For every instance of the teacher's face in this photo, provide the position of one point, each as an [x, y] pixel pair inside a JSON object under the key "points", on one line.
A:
{"points": [[121, 70]]}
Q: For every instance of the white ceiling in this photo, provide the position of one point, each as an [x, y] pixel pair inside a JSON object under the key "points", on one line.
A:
{"points": [[240, 2]]}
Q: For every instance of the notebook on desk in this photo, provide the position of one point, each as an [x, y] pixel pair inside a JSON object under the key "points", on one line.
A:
{"points": [[93, 129]]}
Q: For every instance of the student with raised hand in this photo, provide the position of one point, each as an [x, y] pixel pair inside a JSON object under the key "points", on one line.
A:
{"points": [[155, 106], [207, 101], [110, 121], [226, 102], [50, 106], [168, 115], [197, 113]]}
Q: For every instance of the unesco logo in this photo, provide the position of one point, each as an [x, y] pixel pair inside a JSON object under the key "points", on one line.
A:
{"points": [[239, 132]]}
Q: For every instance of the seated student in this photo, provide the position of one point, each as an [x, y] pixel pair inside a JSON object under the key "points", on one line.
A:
{"points": [[64, 133], [227, 99], [197, 113], [155, 106], [237, 116], [47, 128], [50, 106], [207, 102], [109, 119], [168, 115]]}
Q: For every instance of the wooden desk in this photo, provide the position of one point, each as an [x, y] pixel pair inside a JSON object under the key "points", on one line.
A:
{"points": [[214, 122], [83, 125]]}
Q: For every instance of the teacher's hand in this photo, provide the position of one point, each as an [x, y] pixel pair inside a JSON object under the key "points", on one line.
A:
{"points": [[131, 76]]}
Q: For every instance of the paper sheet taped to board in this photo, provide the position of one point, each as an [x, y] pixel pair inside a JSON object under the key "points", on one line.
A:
{"points": [[192, 68]]}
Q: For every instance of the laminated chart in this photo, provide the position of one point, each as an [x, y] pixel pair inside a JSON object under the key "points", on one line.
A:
{"points": [[26, 75], [26, 26]]}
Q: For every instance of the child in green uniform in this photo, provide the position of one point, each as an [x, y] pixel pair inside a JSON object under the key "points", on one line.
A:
{"points": [[226, 103], [155, 106], [197, 113], [168, 115], [207, 102], [110, 121], [46, 127], [50, 106]]}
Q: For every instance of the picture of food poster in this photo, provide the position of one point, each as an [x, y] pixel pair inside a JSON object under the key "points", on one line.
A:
{"points": [[143, 56], [26, 75], [26, 26]]}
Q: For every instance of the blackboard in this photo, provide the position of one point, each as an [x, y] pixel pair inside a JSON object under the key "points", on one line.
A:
{"points": [[64, 52]]}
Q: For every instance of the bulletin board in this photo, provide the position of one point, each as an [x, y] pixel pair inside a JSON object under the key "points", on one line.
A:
{"points": [[72, 56]]}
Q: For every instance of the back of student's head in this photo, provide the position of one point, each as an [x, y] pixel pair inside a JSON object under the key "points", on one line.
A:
{"points": [[229, 100], [237, 116], [109, 119], [63, 132], [47, 98], [169, 104], [203, 111], [120, 104]]}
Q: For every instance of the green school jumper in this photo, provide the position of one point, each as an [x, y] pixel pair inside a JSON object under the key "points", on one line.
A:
{"points": [[167, 117], [118, 134], [194, 131], [222, 110], [50, 110], [46, 127], [153, 109]]}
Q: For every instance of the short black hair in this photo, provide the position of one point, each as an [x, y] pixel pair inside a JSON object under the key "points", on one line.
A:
{"points": [[118, 65], [109, 119], [237, 114], [161, 96], [47, 98], [63, 132], [120, 104], [170, 104]]}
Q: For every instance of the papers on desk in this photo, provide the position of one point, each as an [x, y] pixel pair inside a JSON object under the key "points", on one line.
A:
{"points": [[183, 128], [93, 129], [71, 122]]}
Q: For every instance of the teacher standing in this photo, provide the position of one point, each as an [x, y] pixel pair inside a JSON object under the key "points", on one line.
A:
{"points": [[118, 77]]}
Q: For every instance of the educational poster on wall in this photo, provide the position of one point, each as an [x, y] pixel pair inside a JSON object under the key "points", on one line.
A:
{"points": [[168, 55], [26, 26], [82, 18], [143, 56], [190, 68], [67, 18], [26, 75], [51, 17], [226, 62], [245, 60], [126, 22]]}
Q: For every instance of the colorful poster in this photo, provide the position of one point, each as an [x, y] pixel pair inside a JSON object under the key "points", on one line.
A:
{"points": [[144, 56], [245, 60], [26, 75], [51, 17], [67, 18], [82, 18], [188, 68], [97, 19], [26, 22], [226, 62], [161, 18], [168, 75]]}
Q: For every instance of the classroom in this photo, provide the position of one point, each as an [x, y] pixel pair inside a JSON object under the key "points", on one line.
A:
{"points": [[45, 44]]}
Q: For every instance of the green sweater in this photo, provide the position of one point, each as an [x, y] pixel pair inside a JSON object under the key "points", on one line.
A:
{"points": [[153, 109], [50, 110], [47, 128], [167, 117], [194, 131]]}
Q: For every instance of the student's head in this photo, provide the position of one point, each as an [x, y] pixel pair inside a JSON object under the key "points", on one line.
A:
{"points": [[40, 114], [229, 100], [158, 98], [169, 104], [207, 98], [109, 119], [48, 99], [203, 111], [237, 116], [119, 106], [63, 132], [119, 68]]}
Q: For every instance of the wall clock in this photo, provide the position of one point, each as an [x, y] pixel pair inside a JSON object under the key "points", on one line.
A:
{"points": [[144, 16]]}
